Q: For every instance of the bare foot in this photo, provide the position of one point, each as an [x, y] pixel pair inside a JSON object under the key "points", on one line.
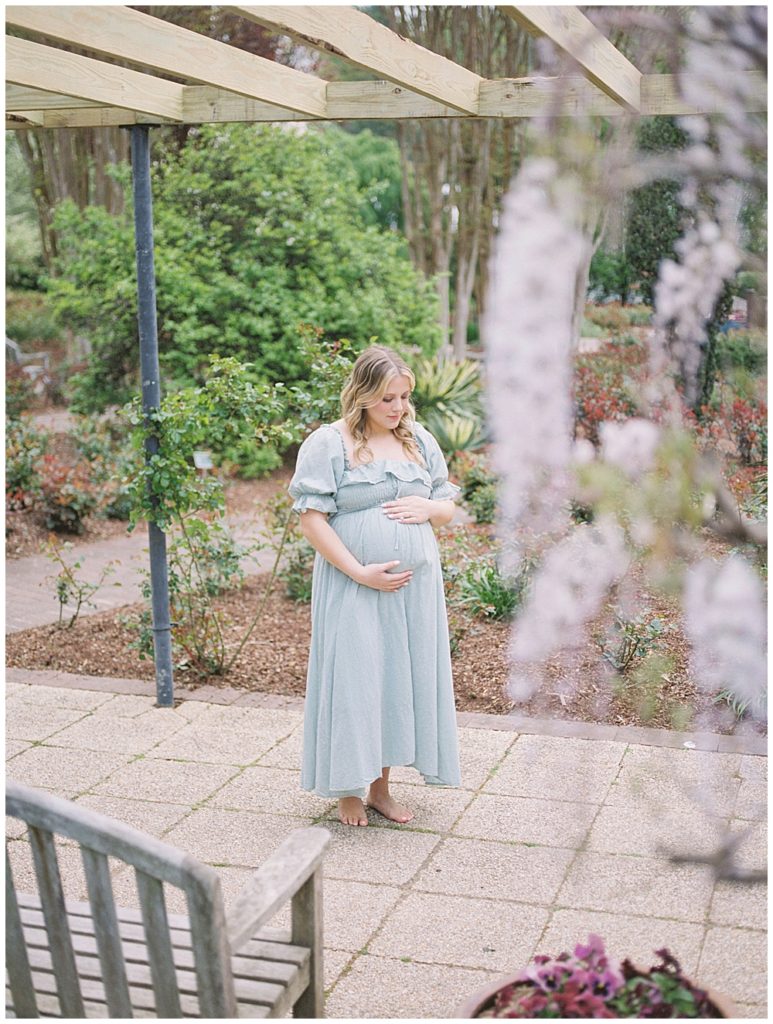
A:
{"points": [[389, 808], [351, 811]]}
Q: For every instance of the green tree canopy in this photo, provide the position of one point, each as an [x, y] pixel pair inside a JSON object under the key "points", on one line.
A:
{"points": [[258, 230]]}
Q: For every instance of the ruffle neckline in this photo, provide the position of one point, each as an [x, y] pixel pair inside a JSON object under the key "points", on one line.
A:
{"points": [[376, 472]]}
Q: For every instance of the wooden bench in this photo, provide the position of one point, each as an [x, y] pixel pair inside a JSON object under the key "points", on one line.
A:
{"points": [[70, 959]]}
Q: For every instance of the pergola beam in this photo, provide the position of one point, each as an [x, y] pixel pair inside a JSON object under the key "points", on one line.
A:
{"points": [[358, 39], [18, 98], [577, 37], [351, 101], [149, 42], [44, 67]]}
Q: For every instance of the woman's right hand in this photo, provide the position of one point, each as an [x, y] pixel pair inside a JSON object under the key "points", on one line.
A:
{"points": [[378, 576]]}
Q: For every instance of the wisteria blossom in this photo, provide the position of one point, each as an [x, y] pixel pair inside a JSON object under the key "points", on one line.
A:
{"points": [[630, 445], [528, 336], [725, 618], [567, 593]]}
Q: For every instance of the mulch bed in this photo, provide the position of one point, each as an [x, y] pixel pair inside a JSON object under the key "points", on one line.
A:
{"points": [[274, 661]]}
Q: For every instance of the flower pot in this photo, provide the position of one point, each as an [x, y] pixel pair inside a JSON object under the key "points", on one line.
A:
{"points": [[483, 998]]}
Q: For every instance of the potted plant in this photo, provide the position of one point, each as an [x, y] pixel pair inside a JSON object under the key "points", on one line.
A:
{"points": [[592, 984]]}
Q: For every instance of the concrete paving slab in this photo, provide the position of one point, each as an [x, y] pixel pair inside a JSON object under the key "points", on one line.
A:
{"points": [[392, 989], [486, 933], [334, 963], [752, 851], [123, 735], [740, 905], [275, 790], [647, 830], [522, 820], [70, 868], [67, 772], [227, 735], [145, 815], [14, 827], [233, 838], [693, 764], [287, 753], [754, 1011], [435, 808], [14, 747], [637, 885], [755, 768], [752, 800], [56, 697], [625, 936], [560, 778], [160, 780], [352, 911], [127, 705], [735, 961], [384, 855], [34, 722], [474, 867], [661, 787]]}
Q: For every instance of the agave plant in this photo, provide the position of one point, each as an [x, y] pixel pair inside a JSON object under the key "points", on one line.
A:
{"points": [[447, 398]]}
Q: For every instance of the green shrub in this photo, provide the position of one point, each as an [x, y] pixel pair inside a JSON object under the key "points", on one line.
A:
{"points": [[29, 317], [296, 570], [447, 398], [483, 503], [742, 350], [251, 460], [257, 230], [24, 447], [632, 640], [486, 592], [67, 494], [19, 392], [590, 329], [103, 442]]}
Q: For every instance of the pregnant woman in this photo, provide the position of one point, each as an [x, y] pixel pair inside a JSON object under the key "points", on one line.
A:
{"points": [[370, 487]]}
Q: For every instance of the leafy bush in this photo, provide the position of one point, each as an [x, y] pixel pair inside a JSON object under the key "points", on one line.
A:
{"points": [[483, 503], [447, 398], [25, 445], [102, 441], [67, 494], [257, 231], [632, 640], [490, 594], [611, 318], [19, 392], [748, 423], [600, 394], [30, 317], [610, 275], [744, 350]]}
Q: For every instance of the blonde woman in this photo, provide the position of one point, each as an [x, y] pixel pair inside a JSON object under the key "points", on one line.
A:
{"points": [[370, 487]]}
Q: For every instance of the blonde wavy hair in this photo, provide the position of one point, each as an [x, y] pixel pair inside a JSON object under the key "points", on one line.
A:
{"points": [[369, 381]]}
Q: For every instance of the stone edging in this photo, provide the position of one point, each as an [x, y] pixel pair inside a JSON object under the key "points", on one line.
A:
{"points": [[740, 743]]}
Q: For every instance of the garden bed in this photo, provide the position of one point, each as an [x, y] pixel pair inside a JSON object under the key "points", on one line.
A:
{"points": [[274, 661]]}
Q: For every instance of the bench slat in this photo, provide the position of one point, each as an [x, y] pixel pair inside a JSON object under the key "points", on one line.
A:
{"points": [[55, 915], [17, 961], [106, 932], [159, 945]]}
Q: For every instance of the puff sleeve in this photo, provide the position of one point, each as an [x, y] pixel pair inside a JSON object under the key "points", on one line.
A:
{"points": [[318, 470], [442, 488]]}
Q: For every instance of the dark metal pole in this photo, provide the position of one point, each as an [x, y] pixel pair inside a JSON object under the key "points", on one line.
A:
{"points": [[151, 399]]}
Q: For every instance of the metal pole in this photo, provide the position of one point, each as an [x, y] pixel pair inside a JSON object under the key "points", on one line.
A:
{"points": [[151, 399]]}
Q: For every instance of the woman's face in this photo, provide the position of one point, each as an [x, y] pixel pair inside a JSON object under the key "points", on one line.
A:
{"points": [[387, 413]]}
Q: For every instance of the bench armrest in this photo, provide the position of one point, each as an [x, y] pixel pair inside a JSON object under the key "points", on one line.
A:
{"points": [[276, 881]]}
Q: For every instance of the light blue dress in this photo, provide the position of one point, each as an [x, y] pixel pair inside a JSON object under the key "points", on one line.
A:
{"points": [[379, 690]]}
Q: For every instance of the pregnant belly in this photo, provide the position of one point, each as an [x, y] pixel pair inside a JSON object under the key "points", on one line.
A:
{"points": [[373, 537]]}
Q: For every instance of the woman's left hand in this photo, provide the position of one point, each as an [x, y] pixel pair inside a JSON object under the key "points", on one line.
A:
{"points": [[411, 509]]}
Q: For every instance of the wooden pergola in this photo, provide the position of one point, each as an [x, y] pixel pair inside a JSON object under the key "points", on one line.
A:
{"points": [[48, 87], [178, 76]]}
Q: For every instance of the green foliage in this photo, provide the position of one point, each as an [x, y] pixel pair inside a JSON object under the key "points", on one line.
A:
{"points": [[742, 350], [654, 213], [29, 318], [67, 494], [23, 251], [490, 594], [740, 706], [69, 587], [633, 639], [447, 398], [375, 161], [257, 229], [102, 441], [478, 484], [483, 503], [609, 276], [756, 506], [19, 391], [24, 447]]}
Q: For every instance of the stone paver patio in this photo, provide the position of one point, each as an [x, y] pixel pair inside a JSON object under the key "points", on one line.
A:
{"points": [[549, 836]]}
